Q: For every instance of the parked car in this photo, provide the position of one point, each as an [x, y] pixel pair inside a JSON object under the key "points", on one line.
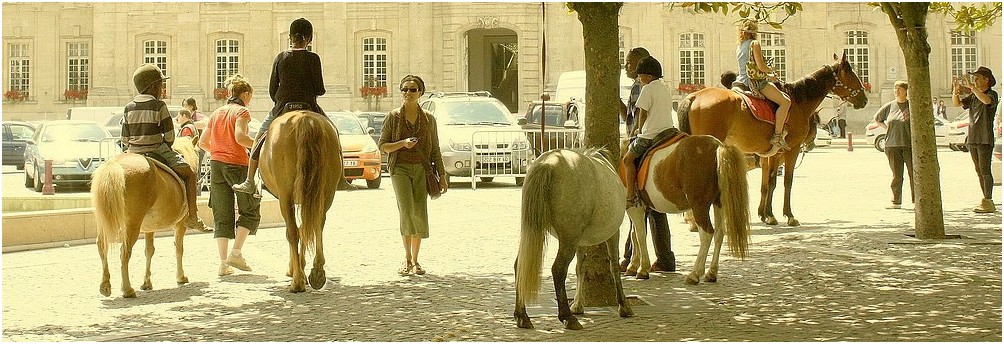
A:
{"points": [[500, 148], [875, 134], [15, 138], [371, 119], [958, 131], [76, 149], [556, 117], [360, 154], [995, 163]]}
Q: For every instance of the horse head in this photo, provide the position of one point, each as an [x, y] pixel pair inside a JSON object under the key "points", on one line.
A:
{"points": [[184, 146], [848, 87]]}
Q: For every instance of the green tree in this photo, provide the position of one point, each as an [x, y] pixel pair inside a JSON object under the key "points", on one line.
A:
{"points": [[599, 33], [909, 20]]}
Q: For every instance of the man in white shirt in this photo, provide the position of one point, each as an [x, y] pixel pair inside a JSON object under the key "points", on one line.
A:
{"points": [[654, 115]]}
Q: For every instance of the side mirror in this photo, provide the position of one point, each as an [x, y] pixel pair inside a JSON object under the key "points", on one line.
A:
{"points": [[521, 121], [370, 131], [570, 124]]}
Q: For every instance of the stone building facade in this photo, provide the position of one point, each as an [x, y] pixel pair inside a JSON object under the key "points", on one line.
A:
{"points": [[53, 51]]}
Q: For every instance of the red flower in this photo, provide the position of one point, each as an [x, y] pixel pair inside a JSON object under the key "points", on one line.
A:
{"points": [[14, 95], [221, 93], [74, 94], [373, 91], [867, 86]]}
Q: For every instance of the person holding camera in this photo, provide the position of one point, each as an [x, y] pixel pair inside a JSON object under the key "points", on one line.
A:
{"points": [[982, 105]]}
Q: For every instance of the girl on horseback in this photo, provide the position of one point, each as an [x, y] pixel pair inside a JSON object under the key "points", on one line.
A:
{"points": [[295, 85], [760, 77]]}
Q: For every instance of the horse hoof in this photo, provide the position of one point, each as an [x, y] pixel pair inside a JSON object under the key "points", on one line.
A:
{"points": [[183, 280], [576, 308], [297, 287], [691, 280], [625, 311], [711, 279], [642, 276], [523, 323], [129, 294], [792, 222], [770, 221], [572, 324], [317, 279], [105, 289], [146, 286], [630, 272], [661, 267], [624, 265]]}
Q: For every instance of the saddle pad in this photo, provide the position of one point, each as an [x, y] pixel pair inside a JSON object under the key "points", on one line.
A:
{"points": [[642, 175], [762, 109]]}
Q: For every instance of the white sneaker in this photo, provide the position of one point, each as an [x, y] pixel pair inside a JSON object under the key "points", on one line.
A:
{"points": [[226, 270], [894, 206]]}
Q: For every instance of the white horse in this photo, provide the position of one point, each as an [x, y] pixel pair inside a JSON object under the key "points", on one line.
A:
{"points": [[575, 196]]}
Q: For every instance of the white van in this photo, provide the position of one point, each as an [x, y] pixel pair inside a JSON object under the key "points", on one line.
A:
{"points": [[93, 113], [573, 85]]}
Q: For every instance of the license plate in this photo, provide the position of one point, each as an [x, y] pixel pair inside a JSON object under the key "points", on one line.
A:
{"points": [[494, 159], [350, 163]]}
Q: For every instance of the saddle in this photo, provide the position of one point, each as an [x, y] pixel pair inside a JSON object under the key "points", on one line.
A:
{"points": [[666, 139], [169, 171]]}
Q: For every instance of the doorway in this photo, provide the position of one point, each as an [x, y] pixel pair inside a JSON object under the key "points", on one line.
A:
{"points": [[493, 64]]}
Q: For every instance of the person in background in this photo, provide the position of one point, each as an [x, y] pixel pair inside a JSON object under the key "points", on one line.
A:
{"points": [[942, 110], [148, 129], [411, 139], [842, 119], [190, 105], [982, 105], [895, 117], [226, 139], [187, 126]]}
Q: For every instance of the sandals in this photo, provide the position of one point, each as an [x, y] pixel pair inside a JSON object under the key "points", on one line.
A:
{"points": [[406, 269], [418, 269]]}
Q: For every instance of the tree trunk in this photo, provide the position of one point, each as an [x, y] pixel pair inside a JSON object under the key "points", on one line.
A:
{"points": [[909, 19], [599, 33]]}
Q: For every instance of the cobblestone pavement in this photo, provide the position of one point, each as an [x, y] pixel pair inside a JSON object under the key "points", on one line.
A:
{"points": [[849, 273]]}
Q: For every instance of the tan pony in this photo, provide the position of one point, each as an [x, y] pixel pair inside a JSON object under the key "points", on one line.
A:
{"points": [[723, 114], [301, 163], [131, 194]]}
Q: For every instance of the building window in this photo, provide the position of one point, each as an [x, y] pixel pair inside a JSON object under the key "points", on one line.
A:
{"points": [[78, 69], [856, 48], [155, 53], [963, 52], [621, 49], [773, 47], [375, 61], [227, 60], [20, 69], [692, 58]]}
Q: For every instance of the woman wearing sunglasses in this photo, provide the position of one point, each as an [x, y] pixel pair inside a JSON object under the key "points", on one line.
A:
{"points": [[412, 142]]}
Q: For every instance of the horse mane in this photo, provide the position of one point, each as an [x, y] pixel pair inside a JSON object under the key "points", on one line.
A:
{"points": [[598, 153], [815, 85]]}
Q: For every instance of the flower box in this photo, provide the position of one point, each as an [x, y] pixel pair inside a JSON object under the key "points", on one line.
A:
{"points": [[74, 95], [689, 88], [373, 91], [14, 96]]}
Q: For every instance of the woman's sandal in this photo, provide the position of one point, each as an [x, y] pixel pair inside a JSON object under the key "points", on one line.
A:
{"points": [[406, 269], [418, 269]]}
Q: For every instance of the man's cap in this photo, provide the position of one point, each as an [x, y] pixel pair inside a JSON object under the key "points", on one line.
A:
{"points": [[649, 65], [984, 71], [147, 75]]}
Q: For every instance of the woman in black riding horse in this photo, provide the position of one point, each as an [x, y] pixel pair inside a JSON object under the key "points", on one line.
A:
{"points": [[295, 85]]}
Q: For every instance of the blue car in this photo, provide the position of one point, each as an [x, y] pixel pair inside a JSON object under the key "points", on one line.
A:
{"points": [[15, 138]]}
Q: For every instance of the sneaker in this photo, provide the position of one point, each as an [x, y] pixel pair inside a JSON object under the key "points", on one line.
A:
{"points": [[894, 206], [226, 270], [197, 224], [248, 187], [418, 269], [238, 262], [986, 206], [778, 140], [406, 269]]}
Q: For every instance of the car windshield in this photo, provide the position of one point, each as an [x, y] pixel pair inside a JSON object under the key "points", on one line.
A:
{"points": [[475, 112], [84, 132], [552, 114], [347, 125]]}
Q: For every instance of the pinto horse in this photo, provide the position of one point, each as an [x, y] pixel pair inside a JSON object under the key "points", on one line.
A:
{"points": [[695, 174], [723, 114], [131, 194], [301, 163], [576, 197]]}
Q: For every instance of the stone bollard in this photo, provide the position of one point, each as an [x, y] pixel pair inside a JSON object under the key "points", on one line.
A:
{"points": [[850, 141], [48, 189]]}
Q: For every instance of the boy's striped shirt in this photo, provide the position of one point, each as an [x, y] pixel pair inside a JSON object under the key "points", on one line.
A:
{"points": [[147, 124]]}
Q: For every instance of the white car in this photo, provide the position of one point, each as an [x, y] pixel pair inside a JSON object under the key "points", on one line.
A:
{"points": [[958, 131], [875, 134]]}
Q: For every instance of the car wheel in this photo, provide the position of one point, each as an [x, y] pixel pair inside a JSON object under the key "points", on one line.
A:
{"points": [[880, 143], [373, 184], [487, 179], [963, 148], [519, 181], [28, 182], [38, 182]]}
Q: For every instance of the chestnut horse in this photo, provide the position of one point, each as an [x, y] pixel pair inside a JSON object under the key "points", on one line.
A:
{"points": [[723, 114], [301, 163], [694, 174], [576, 197], [131, 194]]}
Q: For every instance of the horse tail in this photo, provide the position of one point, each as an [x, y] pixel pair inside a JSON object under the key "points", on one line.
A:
{"points": [[535, 222], [309, 182], [734, 197], [683, 114], [108, 198]]}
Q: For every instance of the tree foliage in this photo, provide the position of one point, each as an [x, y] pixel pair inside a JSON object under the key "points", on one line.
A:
{"points": [[757, 11], [970, 18]]}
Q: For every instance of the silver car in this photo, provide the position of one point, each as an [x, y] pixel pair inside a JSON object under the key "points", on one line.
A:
{"points": [[478, 135], [75, 148]]}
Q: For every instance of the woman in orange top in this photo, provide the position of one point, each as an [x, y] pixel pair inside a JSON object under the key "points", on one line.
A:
{"points": [[226, 139]]}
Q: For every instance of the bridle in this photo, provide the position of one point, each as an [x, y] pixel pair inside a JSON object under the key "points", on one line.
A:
{"points": [[840, 84]]}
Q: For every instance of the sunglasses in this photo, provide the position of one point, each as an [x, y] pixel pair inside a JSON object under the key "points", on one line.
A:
{"points": [[411, 90]]}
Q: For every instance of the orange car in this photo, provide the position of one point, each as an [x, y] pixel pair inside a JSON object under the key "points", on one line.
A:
{"points": [[360, 154]]}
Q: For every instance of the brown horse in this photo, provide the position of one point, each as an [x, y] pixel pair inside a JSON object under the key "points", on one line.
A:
{"points": [[132, 195], [301, 163], [694, 174], [723, 114]]}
